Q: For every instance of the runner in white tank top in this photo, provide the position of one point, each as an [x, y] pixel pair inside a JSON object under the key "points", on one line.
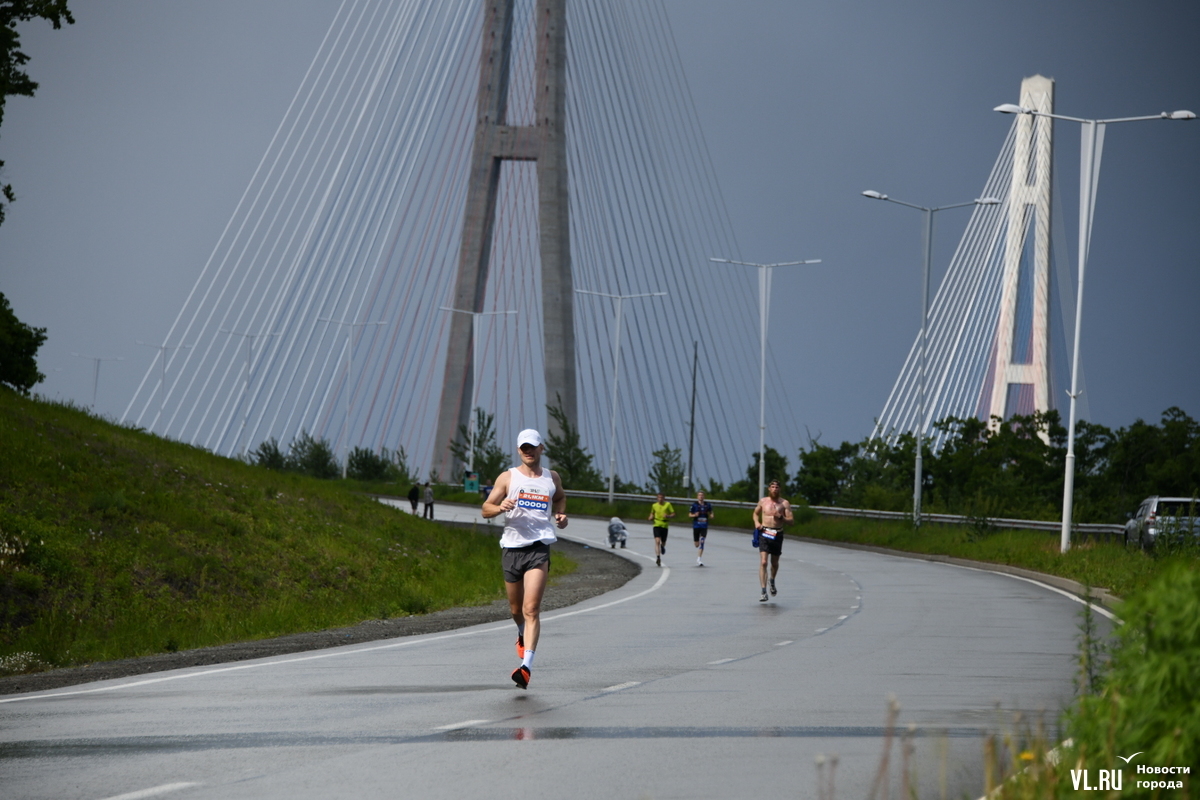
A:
{"points": [[529, 521], [535, 503]]}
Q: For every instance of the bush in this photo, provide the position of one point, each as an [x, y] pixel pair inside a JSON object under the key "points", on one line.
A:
{"points": [[1149, 702]]}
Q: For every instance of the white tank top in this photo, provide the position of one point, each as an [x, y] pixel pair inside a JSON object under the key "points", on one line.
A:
{"points": [[532, 520]]}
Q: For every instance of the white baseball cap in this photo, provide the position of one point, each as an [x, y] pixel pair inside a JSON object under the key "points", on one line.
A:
{"points": [[529, 436]]}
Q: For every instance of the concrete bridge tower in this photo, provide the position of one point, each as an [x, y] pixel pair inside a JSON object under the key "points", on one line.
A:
{"points": [[495, 142], [1018, 380]]}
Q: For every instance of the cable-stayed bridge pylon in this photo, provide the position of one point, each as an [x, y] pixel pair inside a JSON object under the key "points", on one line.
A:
{"points": [[991, 349], [356, 213]]}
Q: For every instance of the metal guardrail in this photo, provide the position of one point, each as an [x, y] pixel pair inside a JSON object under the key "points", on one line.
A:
{"points": [[1085, 530]]}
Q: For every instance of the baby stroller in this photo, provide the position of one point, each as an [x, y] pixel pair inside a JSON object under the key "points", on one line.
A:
{"points": [[616, 532]]}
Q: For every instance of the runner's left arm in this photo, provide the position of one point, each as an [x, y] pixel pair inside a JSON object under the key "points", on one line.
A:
{"points": [[559, 504]]}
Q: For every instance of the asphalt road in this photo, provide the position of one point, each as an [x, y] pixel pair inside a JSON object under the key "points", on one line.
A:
{"points": [[681, 684]]}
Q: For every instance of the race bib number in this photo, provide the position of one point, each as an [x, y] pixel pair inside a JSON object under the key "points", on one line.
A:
{"points": [[529, 501], [767, 533]]}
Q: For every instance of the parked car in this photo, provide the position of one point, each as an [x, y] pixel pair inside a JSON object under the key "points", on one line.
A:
{"points": [[1159, 517]]}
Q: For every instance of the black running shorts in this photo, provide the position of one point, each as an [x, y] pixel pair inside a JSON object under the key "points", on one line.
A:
{"points": [[698, 534], [661, 533], [516, 561], [772, 546]]}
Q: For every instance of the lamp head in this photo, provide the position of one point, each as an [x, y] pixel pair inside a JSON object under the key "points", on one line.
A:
{"points": [[987, 201], [874, 195], [1181, 114], [1011, 108]]}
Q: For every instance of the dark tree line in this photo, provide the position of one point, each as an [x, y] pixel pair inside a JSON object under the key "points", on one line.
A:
{"points": [[1012, 468]]}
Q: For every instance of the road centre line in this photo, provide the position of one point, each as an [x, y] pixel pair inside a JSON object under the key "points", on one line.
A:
{"points": [[620, 686], [153, 791], [467, 723], [784, 643], [499, 626], [720, 661]]}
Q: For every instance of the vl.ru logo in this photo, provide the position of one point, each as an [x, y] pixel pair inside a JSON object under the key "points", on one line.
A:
{"points": [[1108, 780]]}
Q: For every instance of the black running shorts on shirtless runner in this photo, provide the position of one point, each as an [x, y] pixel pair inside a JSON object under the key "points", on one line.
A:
{"points": [[773, 546], [516, 561]]}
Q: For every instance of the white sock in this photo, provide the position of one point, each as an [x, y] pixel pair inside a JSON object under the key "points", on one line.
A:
{"points": [[528, 660]]}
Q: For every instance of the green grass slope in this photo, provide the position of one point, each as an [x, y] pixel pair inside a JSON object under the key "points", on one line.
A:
{"points": [[116, 543]]}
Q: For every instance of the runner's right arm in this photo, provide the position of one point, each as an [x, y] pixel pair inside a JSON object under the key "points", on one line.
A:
{"points": [[498, 502]]}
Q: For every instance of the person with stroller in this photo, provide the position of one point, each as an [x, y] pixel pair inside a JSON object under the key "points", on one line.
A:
{"points": [[616, 532]]}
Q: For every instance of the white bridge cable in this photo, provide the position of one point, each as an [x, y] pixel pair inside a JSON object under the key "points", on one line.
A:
{"points": [[202, 420], [241, 202], [962, 320], [218, 303], [354, 214]]}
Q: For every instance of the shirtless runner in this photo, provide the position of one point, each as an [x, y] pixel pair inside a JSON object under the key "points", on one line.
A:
{"points": [[771, 516]]}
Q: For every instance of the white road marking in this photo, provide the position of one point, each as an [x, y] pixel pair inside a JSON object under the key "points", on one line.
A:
{"points": [[500, 626], [822, 630], [720, 661], [620, 686], [466, 723], [153, 791], [1099, 609], [784, 643], [842, 617]]}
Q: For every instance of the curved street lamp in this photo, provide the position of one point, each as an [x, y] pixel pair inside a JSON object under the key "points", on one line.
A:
{"points": [[1089, 173], [928, 230]]}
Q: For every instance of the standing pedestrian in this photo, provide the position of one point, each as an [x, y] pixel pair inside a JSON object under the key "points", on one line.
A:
{"points": [[660, 512], [771, 516], [701, 512], [414, 494], [533, 498], [428, 501]]}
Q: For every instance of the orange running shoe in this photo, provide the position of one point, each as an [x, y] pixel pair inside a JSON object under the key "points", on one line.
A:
{"points": [[520, 676], [520, 645]]}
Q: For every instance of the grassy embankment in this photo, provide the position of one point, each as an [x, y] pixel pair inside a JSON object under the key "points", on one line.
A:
{"points": [[116, 543], [1106, 565]]}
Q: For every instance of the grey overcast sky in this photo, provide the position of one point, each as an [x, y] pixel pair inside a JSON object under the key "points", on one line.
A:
{"points": [[151, 117]]}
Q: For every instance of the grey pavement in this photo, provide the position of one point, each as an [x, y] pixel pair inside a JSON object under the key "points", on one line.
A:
{"points": [[681, 684]]}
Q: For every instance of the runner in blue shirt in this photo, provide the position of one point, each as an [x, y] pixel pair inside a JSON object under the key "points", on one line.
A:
{"points": [[700, 513]]}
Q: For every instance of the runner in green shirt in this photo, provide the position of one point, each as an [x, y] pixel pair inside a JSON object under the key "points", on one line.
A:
{"points": [[660, 512]]}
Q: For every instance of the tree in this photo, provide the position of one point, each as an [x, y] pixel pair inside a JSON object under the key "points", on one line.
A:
{"points": [[312, 457], [775, 469], [666, 474], [13, 79], [490, 457], [19, 344], [571, 461], [268, 455]]}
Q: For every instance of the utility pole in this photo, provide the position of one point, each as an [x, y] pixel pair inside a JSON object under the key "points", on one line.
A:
{"points": [[692, 424], [96, 373]]}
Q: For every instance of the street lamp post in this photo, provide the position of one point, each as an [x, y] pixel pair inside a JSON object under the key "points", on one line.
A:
{"points": [[475, 315], [612, 436], [1091, 145], [162, 394], [249, 339], [927, 228], [764, 308], [349, 360]]}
